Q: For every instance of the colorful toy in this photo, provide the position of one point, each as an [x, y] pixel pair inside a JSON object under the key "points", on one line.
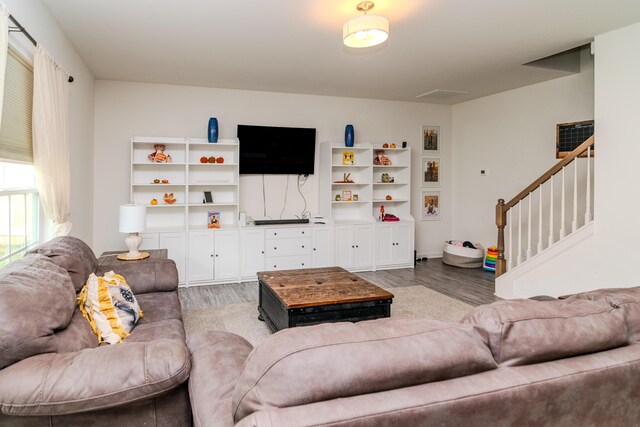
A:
{"points": [[381, 159], [348, 158], [159, 156], [490, 259]]}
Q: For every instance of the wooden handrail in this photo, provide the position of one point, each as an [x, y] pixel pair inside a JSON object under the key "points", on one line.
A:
{"points": [[548, 174], [502, 208]]}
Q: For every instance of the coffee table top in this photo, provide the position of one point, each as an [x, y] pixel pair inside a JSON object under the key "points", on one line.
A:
{"points": [[312, 287]]}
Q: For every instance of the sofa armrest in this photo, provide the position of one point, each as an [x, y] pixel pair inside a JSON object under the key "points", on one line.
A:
{"points": [[217, 360], [154, 275], [92, 379]]}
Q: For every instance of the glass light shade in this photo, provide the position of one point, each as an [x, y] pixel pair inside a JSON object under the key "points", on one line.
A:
{"points": [[133, 218], [365, 31]]}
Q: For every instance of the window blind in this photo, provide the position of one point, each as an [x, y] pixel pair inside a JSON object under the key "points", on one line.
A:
{"points": [[15, 131]]}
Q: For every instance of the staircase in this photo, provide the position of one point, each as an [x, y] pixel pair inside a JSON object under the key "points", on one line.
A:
{"points": [[548, 217]]}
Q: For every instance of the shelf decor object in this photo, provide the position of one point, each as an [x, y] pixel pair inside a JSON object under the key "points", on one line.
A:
{"points": [[212, 134], [132, 221], [349, 137]]}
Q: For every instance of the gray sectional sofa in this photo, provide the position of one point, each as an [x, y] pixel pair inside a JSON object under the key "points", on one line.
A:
{"points": [[52, 371], [570, 362]]}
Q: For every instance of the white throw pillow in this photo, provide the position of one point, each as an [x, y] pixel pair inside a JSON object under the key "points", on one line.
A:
{"points": [[110, 307]]}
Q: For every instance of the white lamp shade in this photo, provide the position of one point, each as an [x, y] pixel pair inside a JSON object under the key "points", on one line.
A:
{"points": [[365, 31], [133, 218]]}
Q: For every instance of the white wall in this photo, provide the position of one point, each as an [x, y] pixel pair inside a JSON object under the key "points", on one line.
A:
{"points": [[512, 135], [126, 109], [610, 257], [35, 17]]}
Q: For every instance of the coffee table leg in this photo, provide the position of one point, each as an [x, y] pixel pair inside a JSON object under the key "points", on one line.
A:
{"points": [[260, 318]]}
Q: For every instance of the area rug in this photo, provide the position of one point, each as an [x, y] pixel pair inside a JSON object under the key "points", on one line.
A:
{"points": [[242, 319]]}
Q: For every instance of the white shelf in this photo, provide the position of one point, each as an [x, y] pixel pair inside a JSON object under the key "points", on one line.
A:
{"points": [[353, 184], [352, 202], [221, 179], [209, 205], [158, 185], [158, 164], [368, 183], [390, 183]]}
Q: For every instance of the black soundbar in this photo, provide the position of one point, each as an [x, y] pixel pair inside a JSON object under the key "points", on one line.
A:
{"points": [[281, 221]]}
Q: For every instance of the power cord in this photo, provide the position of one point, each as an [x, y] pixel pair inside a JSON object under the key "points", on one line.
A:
{"points": [[302, 180], [286, 191]]}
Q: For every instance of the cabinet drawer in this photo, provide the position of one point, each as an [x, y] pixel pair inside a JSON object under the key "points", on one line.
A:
{"points": [[287, 247], [287, 263], [287, 233]]}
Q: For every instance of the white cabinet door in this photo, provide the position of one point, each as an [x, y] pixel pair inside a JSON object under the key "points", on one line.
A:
{"points": [[200, 256], [385, 243], [149, 241], [344, 246], [252, 252], [403, 248], [175, 243], [364, 246], [322, 241], [226, 254]]}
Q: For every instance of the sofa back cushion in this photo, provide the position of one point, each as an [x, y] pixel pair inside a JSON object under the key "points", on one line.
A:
{"points": [[315, 363], [73, 255], [36, 298], [627, 300], [527, 331]]}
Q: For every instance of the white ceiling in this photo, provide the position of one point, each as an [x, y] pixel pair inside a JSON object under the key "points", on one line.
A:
{"points": [[295, 46]]}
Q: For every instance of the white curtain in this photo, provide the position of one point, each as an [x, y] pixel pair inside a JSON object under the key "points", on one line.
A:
{"points": [[51, 140], [4, 46]]}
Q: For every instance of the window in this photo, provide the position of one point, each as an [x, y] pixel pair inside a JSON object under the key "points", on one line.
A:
{"points": [[19, 204], [19, 211]]}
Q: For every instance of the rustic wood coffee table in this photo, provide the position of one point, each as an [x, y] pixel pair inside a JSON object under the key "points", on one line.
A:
{"points": [[291, 298]]}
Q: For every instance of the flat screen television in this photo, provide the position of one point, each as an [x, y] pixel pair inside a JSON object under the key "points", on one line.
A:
{"points": [[276, 150]]}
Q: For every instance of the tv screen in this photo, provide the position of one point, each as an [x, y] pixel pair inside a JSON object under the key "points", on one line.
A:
{"points": [[276, 150]]}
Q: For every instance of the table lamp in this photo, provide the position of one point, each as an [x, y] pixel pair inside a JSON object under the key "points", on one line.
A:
{"points": [[132, 221]]}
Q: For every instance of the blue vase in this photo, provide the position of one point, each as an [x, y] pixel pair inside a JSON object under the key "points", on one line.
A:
{"points": [[213, 130], [349, 137]]}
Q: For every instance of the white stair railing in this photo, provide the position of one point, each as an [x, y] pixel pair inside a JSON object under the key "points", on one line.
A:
{"points": [[581, 183]]}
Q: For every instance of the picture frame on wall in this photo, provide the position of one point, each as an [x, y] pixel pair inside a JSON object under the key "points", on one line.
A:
{"points": [[431, 172], [430, 140], [430, 205]]}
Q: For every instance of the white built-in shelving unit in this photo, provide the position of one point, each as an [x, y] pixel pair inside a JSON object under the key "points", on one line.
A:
{"points": [[188, 179], [367, 183]]}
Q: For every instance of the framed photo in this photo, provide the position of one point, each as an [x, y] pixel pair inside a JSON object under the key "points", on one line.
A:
{"points": [[207, 197], [430, 205], [213, 219], [430, 140], [430, 172], [346, 196]]}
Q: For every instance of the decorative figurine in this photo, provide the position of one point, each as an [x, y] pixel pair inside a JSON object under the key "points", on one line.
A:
{"points": [[159, 156]]}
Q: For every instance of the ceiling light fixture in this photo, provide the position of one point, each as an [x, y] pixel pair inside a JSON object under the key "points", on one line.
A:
{"points": [[367, 30]]}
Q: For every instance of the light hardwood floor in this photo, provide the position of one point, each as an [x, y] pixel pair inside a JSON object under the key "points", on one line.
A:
{"points": [[472, 286]]}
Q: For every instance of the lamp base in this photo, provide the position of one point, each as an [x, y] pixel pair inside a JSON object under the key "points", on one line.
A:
{"points": [[125, 256]]}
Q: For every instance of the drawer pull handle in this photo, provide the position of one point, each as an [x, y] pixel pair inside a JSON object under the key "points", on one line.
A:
{"points": [[274, 248], [303, 263], [303, 246]]}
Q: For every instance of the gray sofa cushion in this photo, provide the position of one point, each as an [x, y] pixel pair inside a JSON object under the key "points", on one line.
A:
{"points": [[627, 300], [91, 379], [73, 255], [528, 331], [337, 360], [36, 298]]}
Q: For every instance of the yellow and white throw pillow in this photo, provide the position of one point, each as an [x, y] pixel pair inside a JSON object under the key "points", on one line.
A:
{"points": [[110, 307]]}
